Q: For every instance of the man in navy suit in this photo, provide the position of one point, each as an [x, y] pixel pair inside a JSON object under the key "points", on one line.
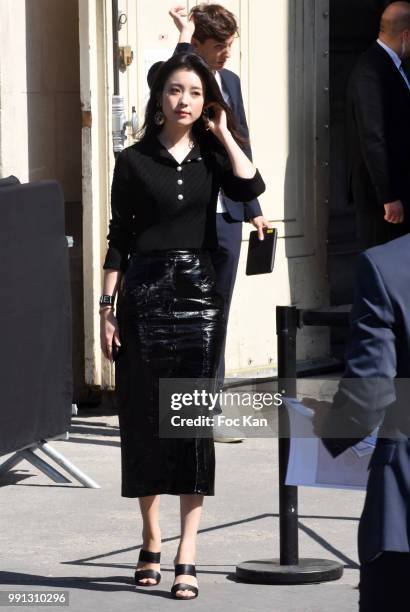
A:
{"points": [[375, 391], [210, 32]]}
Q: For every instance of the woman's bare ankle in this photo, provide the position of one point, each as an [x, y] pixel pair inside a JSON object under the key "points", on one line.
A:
{"points": [[151, 541], [185, 554]]}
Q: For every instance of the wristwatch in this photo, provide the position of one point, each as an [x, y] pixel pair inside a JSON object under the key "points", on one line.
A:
{"points": [[107, 300]]}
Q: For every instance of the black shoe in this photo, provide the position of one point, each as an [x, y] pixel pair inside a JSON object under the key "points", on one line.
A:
{"points": [[148, 557], [180, 569]]}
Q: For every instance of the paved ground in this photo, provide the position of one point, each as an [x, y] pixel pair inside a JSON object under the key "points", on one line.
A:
{"points": [[87, 541]]}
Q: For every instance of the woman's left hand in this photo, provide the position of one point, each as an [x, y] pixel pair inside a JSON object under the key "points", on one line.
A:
{"points": [[218, 124]]}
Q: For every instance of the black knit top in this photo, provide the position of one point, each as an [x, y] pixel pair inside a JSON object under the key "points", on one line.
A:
{"points": [[159, 204]]}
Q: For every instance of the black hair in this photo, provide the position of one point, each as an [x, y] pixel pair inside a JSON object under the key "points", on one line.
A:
{"points": [[212, 93], [152, 72]]}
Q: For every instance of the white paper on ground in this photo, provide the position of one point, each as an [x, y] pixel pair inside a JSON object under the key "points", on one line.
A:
{"points": [[311, 465]]}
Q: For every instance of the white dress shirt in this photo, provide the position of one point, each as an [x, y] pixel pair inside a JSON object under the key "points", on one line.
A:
{"points": [[397, 61], [220, 207]]}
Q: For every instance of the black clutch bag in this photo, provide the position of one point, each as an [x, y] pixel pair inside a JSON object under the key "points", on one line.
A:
{"points": [[261, 253]]}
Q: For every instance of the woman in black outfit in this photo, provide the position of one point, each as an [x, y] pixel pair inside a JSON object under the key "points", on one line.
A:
{"points": [[169, 321]]}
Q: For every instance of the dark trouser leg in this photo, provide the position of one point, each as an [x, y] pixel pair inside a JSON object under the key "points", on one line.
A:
{"points": [[384, 583], [225, 261]]}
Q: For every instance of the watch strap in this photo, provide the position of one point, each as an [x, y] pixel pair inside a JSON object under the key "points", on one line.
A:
{"points": [[107, 300]]}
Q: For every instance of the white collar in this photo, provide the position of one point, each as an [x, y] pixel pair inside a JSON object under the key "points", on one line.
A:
{"points": [[396, 59]]}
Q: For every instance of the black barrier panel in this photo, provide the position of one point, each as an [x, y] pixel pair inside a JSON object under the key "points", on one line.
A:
{"points": [[35, 316]]}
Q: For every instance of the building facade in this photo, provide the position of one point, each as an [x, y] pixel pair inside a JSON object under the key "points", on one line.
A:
{"points": [[56, 122]]}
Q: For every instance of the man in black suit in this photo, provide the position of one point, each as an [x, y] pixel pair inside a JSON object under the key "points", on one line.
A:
{"points": [[378, 132], [375, 391], [210, 32]]}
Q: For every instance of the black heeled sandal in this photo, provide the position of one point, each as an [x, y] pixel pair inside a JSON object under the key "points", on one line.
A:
{"points": [[147, 557], [180, 569]]}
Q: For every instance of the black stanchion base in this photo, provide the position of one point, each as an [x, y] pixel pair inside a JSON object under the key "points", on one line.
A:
{"points": [[270, 571]]}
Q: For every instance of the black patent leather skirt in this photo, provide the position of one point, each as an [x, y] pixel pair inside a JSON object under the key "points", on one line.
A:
{"points": [[171, 321]]}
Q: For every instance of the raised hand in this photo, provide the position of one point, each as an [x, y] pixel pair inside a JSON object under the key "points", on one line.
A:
{"points": [[180, 16], [218, 124]]}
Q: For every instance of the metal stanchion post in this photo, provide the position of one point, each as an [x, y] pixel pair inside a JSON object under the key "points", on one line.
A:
{"points": [[286, 330], [288, 569]]}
